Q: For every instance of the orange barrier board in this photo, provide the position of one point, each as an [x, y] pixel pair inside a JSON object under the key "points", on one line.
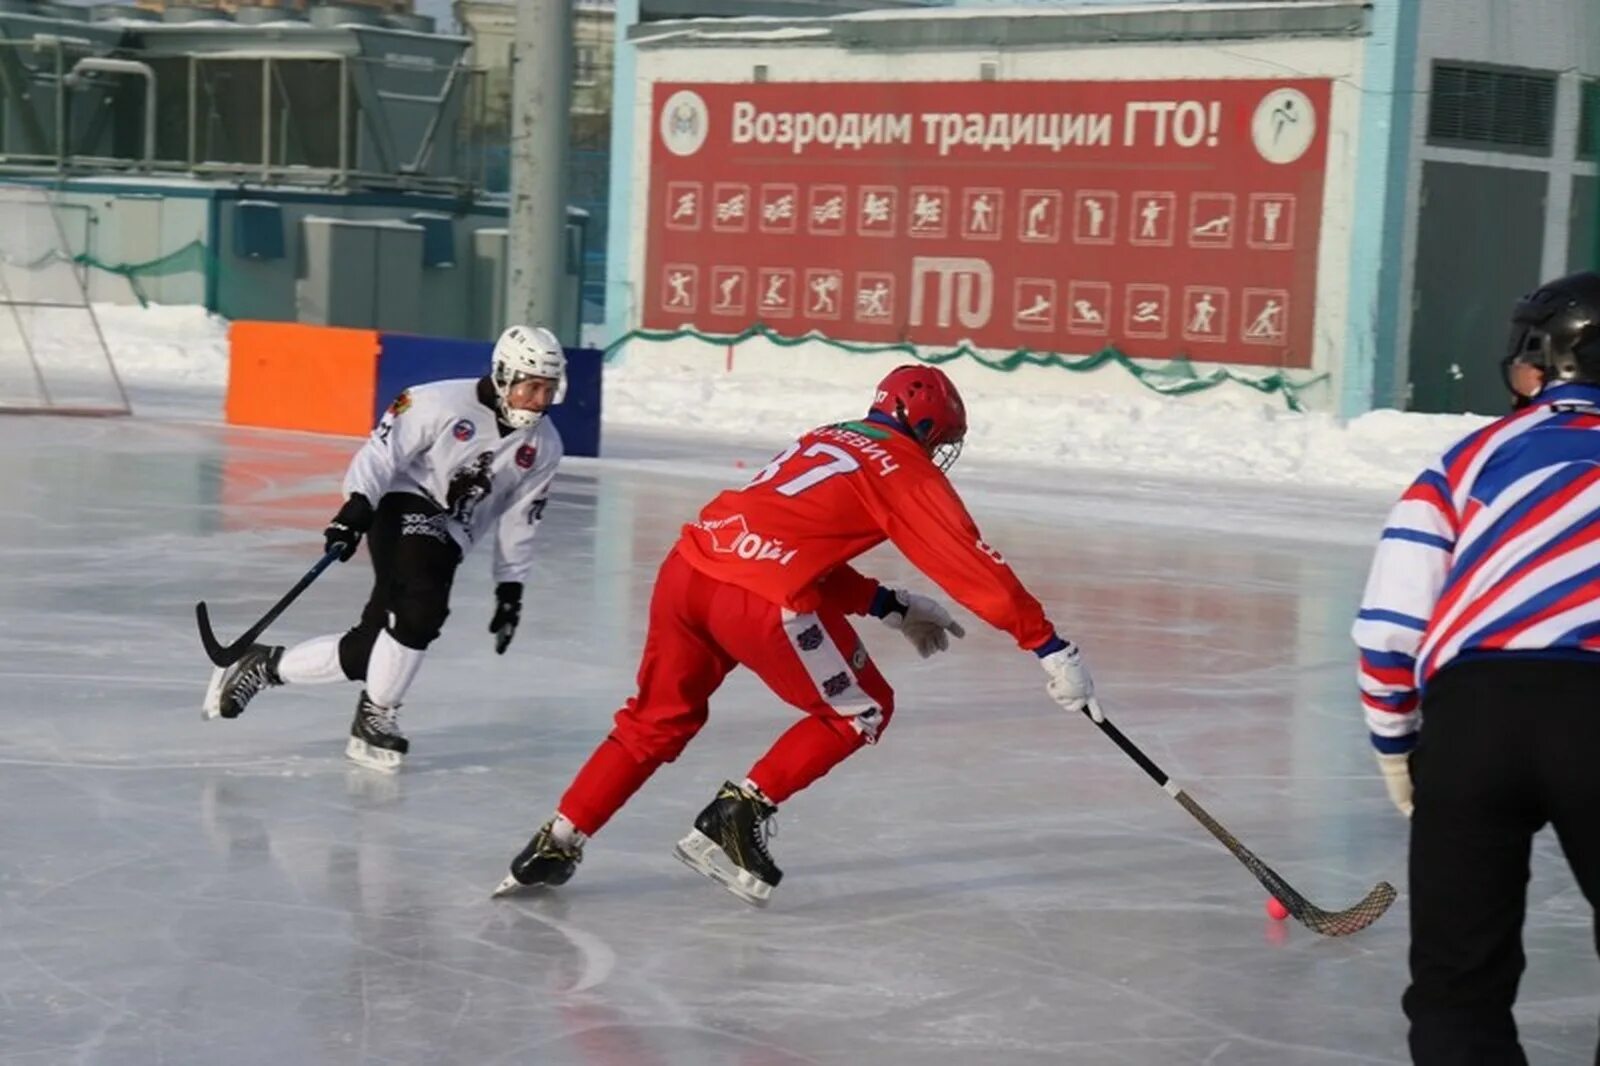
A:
{"points": [[285, 375]]}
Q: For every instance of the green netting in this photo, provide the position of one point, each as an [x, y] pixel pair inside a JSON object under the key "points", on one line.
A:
{"points": [[191, 258], [1173, 377]]}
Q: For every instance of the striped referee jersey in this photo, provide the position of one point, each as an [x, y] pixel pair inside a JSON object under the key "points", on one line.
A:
{"points": [[1493, 550]]}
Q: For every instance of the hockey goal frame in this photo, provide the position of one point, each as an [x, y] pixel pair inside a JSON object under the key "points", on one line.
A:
{"points": [[36, 197]]}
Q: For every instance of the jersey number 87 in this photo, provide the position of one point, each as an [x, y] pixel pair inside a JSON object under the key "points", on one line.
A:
{"points": [[841, 462]]}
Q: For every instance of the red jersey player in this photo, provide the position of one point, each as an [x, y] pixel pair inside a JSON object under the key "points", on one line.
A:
{"points": [[762, 579]]}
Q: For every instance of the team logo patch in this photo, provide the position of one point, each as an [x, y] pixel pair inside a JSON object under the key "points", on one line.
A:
{"points": [[526, 455], [810, 638], [835, 686], [858, 658], [464, 430], [401, 403]]}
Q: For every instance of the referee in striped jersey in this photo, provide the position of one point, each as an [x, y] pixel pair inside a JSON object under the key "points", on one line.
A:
{"points": [[1479, 635]]}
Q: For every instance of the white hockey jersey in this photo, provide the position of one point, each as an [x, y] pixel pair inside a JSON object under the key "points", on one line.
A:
{"points": [[442, 441]]}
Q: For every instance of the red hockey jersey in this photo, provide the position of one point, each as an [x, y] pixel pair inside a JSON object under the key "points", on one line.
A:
{"points": [[788, 535]]}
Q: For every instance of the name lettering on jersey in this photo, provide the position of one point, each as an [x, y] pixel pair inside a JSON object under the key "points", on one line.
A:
{"points": [[733, 536], [856, 435]]}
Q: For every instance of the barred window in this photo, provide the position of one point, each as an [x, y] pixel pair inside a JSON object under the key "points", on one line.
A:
{"points": [[585, 65], [1497, 108], [1589, 121]]}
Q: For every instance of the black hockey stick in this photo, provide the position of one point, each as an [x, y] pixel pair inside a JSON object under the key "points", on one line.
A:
{"points": [[232, 653], [1328, 923]]}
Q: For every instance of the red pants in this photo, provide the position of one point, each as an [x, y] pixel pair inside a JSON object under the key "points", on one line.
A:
{"points": [[700, 629]]}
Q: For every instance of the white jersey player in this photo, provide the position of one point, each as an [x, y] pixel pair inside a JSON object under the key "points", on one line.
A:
{"points": [[450, 464]]}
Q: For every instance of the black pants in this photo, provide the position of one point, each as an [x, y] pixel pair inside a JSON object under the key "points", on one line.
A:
{"points": [[413, 566], [1507, 745]]}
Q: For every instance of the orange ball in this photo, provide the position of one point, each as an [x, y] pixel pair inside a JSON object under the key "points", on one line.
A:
{"points": [[1275, 910]]}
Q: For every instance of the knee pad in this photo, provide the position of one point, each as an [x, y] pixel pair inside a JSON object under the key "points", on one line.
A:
{"points": [[355, 648], [416, 625]]}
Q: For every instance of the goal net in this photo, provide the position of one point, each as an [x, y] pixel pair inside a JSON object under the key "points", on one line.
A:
{"points": [[53, 357]]}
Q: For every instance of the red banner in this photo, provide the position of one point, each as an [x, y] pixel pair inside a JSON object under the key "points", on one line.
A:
{"points": [[1163, 217]]}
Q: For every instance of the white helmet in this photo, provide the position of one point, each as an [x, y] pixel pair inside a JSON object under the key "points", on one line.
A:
{"points": [[526, 352]]}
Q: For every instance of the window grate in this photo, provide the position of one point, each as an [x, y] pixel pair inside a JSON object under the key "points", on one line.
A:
{"points": [[1473, 106], [1589, 121]]}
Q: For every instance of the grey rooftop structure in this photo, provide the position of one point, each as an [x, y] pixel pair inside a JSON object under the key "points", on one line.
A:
{"points": [[346, 98]]}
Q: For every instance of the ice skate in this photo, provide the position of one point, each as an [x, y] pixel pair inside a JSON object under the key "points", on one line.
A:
{"points": [[543, 862], [375, 738], [729, 844], [233, 687]]}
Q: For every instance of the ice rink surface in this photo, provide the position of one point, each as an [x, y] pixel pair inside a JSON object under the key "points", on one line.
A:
{"points": [[993, 883]]}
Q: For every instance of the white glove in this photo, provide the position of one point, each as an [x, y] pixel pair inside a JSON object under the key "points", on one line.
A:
{"points": [[923, 621], [1070, 684], [1397, 779]]}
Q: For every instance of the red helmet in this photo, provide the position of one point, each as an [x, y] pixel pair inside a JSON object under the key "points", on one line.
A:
{"points": [[927, 404]]}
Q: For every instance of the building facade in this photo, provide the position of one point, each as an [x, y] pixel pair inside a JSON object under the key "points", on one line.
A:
{"points": [[1500, 186], [386, 7], [491, 26], [1079, 180], [316, 169]]}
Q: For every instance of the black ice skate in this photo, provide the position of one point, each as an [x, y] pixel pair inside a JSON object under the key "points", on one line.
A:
{"points": [[729, 844], [375, 738], [543, 862], [233, 687]]}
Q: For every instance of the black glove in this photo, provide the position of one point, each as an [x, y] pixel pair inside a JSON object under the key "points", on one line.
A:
{"points": [[507, 613], [344, 532]]}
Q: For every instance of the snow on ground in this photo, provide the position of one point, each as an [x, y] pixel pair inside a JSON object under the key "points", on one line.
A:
{"points": [[173, 361], [1106, 422]]}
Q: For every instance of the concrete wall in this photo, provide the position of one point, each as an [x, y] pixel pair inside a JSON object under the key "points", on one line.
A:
{"points": [[121, 223], [133, 226], [265, 289]]}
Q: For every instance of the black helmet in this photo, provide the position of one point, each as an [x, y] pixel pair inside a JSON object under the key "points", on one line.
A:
{"points": [[1556, 330]]}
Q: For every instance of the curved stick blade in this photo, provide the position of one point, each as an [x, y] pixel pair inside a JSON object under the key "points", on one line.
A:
{"points": [[1343, 923], [227, 656], [208, 639], [218, 654], [1313, 917]]}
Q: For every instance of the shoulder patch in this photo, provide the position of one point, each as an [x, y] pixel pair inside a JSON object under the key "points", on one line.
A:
{"points": [[866, 429], [526, 455], [401, 403]]}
